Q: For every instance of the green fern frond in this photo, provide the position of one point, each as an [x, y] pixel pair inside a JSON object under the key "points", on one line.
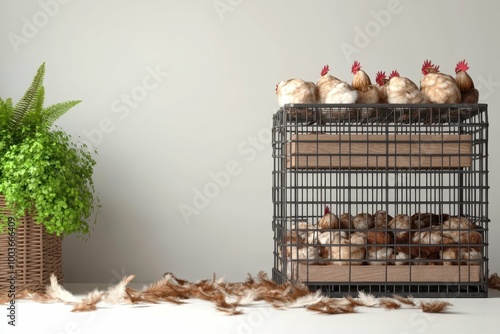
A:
{"points": [[52, 113], [26, 103], [39, 100], [6, 111]]}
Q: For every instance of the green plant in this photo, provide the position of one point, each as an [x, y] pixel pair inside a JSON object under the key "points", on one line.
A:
{"points": [[43, 172]]}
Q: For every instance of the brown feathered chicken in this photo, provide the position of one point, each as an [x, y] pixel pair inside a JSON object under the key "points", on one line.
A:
{"points": [[363, 221], [296, 91], [329, 220], [346, 221], [438, 87], [426, 219], [382, 81], [325, 84], [461, 256], [367, 93], [381, 219], [469, 94], [403, 90], [379, 250], [401, 226], [427, 244]]}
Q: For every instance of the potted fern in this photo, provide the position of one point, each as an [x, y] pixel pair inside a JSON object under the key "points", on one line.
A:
{"points": [[46, 186]]}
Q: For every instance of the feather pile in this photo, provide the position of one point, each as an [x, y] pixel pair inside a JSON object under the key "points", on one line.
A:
{"points": [[227, 297]]}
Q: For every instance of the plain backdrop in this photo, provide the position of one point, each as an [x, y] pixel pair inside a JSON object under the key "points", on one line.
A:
{"points": [[178, 98]]}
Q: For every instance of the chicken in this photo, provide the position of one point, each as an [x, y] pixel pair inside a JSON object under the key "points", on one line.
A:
{"points": [[353, 249], [401, 258], [346, 221], [342, 93], [380, 256], [438, 87], [382, 81], [458, 222], [381, 219], [403, 90], [338, 246], [333, 90], [325, 84], [296, 91], [469, 94], [331, 237], [422, 220], [367, 93], [426, 244], [462, 232], [379, 238], [401, 225], [460, 256], [379, 250], [329, 220], [363, 221]]}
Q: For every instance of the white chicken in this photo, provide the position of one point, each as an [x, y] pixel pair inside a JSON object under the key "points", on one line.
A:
{"points": [[343, 250], [296, 91], [403, 90]]}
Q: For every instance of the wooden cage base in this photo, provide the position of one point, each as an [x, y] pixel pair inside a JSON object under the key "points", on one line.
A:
{"points": [[384, 274]]}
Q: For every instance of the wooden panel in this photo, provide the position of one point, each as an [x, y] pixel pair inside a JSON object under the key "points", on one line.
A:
{"points": [[404, 273], [379, 151]]}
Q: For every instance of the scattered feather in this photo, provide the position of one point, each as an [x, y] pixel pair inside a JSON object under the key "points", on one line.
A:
{"points": [[434, 306], [56, 291], [327, 307], [405, 300], [389, 304], [367, 300], [309, 299], [117, 294], [494, 281], [89, 303]]}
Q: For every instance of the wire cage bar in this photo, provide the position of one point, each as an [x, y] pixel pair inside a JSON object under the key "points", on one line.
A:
{"points": [[382, 198]]}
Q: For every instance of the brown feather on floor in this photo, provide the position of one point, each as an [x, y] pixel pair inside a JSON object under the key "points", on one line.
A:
{"points": [[227, 297], [494, 281], [437, 306]]}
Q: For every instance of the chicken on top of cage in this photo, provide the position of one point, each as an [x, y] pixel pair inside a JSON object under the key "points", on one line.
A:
{"points": [[435, 87]]}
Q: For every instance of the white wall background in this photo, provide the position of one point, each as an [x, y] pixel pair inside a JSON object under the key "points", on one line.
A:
{"points": [[211, 106]]}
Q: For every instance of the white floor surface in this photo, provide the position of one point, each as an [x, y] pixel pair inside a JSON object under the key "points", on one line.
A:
{"points": [[467, 315]]}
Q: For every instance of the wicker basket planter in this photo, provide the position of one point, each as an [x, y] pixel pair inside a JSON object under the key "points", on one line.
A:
{"points": [[38, 255]]}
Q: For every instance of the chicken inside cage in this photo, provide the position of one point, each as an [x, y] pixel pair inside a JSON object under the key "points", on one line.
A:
{"points": [[380, 239]]}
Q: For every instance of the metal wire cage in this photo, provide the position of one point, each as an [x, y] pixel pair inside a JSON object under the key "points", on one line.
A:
{"points": [[385, 199]]}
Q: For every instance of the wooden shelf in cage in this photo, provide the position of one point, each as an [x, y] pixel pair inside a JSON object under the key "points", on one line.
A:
{"points": [[393, 273], [371, 151]]}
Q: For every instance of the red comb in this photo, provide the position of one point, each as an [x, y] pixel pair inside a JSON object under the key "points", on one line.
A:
{"points": [[462, 66], [393, 74], [379, 77], [327, 209], [355, 67], [325, 70], [428, 64]]}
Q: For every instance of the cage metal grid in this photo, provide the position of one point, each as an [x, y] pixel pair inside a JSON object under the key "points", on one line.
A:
{"points": [[405, 160]]}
